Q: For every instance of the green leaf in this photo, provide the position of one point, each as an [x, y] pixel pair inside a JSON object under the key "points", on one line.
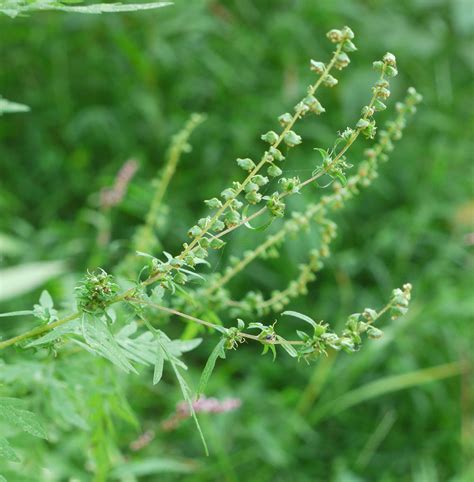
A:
{"points": [[160, 360], [301, 317], [323, 152], [11, 411], [219, 351], [141, 349], [271, 347], [163, 340], [45, 299], [70, 328], [342, 178], [65, 405], [178, 347], [262, 227], [6, 452], [101, 341], [288, 347]]}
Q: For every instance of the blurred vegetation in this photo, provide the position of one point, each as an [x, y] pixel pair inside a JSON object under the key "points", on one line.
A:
{"points": [[104, 89]]}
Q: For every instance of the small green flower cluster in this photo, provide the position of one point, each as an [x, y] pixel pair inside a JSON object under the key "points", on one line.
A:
{"points": [[96, 292], [229, 209], [400, 301], [322, 339], [216, 293]]}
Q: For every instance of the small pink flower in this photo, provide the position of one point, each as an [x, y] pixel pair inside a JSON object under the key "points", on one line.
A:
{"points": [[110, 197], [202, 405]]}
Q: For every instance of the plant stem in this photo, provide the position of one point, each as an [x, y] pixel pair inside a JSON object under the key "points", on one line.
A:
{"points": [[172, 311], [256, 169], [39, 330]]}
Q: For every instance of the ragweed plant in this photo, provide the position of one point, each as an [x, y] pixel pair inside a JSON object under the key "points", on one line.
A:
{"points": [[125, 322]]}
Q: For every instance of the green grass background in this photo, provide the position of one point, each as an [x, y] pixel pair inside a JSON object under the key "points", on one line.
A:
{"points": [[106, 88]]}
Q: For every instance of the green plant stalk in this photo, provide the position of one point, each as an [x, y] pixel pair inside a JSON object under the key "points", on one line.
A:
{"points": [[39, 330], [144, 236], [312, 90], [176, 149], [312, 209], [208, 324], [313, 178], [42, 329]]}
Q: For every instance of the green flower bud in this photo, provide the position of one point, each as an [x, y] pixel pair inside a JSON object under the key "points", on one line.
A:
{"points": [[195, 231], [390, 59], [271, 137], [218, 225], [391, 71], [398, 311], [342, 60], [204, 242], [217, 243], [260, 180], [378, 66], [347, 33], [274, 171], [373, 332], [362, 123], [367, 111], [379, 105], [285, 119], [180, 278], [347, 133], [290, 185], [348, 46], [314, 105], [334, 35], [200, 252], [253, 197], [330, 81], [276, 206], [370, 314], [213, 203], [369, 131], [246, 164], [292, 139], [236, 204], [317, 67], [301, 108], [228, 194], [232, 218], [276, 154], [251, 187], [383, 93], [203, 222]]}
